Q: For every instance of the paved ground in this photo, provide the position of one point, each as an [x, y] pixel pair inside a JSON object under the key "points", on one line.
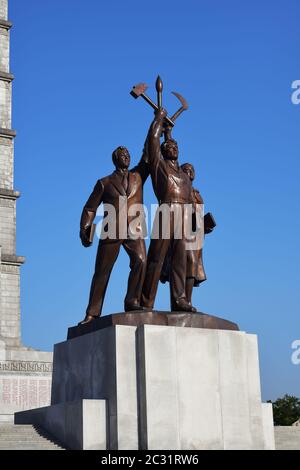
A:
{"points": [[25, 437]]}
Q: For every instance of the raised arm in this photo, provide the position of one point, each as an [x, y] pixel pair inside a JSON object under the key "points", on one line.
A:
{"points": [[152, 153], [89, 212]]}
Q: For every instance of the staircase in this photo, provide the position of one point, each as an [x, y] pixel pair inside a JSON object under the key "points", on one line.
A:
{"points": [[25, 437]]}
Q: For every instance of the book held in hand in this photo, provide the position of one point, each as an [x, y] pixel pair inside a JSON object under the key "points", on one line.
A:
{"points": [[209, 222]]}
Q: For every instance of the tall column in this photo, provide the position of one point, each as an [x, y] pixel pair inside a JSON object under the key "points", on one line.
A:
{"points": [[9, 262]]}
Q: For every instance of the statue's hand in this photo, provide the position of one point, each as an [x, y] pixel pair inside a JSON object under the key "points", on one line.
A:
{"points": [[84, 238], [161, 113], [208, 230]]}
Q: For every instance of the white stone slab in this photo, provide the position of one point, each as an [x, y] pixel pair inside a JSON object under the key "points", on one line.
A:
{"points": [[101, 365], [195, 389], [234, 390], [268, 426], [79, 425], [200, 417], [126, 390], [158, 386], [254, 393]]}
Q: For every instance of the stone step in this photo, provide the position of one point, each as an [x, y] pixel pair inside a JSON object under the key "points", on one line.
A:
{"points": [[25, 437], [28, 444], [22, 445], [32, 442], [25, 431], [12, 425], [20, 434], [32, 447]]}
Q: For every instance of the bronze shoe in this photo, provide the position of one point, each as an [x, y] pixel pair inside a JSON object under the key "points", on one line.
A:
{"points": [[87, 319], [135, 308], [183, 306]]}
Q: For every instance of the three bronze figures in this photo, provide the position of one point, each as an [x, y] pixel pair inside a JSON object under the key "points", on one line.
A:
{"points": [[175, 253]]}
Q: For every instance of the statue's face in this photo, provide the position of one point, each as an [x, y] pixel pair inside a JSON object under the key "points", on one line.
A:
{"points": [[171, 150], [123, 158], [189, 170]]}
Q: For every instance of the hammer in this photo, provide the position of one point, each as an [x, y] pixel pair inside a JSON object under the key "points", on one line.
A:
{"points": [[139, 90]]}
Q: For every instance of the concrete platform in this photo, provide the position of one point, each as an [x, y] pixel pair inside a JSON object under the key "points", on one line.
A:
{"points": [[164, 387]]}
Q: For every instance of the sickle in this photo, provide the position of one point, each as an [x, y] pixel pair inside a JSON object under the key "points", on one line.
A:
{"points": [[184, 106]]}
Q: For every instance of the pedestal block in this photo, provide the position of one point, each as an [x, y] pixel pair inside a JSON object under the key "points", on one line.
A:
{"points": [[199, 389], [165, 387]]}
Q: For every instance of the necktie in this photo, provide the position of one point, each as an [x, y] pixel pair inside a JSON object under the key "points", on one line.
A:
{"points": [[125, 181]]}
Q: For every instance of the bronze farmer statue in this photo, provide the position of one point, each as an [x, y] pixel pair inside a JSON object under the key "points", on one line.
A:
{"points": [[126, 184]]}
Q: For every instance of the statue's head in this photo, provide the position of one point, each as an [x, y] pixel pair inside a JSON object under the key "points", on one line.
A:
{"points": [[169, 149], [121, 158], [189, 170]]}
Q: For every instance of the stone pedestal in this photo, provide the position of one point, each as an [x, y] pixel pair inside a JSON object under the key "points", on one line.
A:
{"points": [[165, 387]]}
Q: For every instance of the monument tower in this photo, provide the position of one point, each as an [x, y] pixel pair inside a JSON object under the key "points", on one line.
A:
{"points": [[25, 374], [10, 262]]}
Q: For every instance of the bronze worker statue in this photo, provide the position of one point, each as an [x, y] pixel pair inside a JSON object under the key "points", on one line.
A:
{"points": [[172, 185]]}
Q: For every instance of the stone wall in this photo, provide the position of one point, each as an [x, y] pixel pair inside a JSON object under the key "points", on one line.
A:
{"points": [[6, 163], [10, 304], [5, 104], [25, 383], [4, 50], [3, 9], [287, 437], [8, 225]]}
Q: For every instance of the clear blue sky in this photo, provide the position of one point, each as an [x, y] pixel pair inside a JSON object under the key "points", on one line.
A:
{"points": [[75, 62]]}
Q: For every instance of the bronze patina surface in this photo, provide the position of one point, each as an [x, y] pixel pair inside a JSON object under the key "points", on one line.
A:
{"points": [[180, 319]]}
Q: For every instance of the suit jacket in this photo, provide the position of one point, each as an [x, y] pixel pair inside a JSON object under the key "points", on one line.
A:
{"points": [[110, 190], [170, 183]]}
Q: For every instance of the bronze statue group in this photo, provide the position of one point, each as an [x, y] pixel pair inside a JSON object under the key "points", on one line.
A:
{"points": [[168, 258]]}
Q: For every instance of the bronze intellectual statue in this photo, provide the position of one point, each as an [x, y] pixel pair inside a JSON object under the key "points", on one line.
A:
{"points": [[172, 186], [195, 273], [122, 183]]}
